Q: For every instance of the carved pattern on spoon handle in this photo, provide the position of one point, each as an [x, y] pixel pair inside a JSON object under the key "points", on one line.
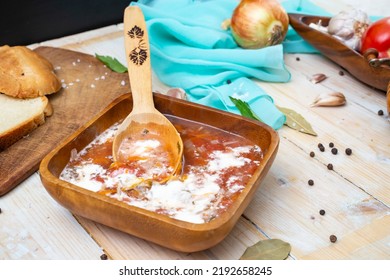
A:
{"points": [[139, 54]]}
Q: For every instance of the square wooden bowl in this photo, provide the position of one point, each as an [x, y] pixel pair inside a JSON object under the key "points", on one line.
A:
{"points": [[163, 230]]}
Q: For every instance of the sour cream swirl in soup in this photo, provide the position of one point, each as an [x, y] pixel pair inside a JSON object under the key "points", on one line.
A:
{"points": [[217, 167]]}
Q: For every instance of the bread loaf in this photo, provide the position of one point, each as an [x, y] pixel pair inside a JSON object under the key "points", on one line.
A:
{"points": [[25, 74], [18, 117], [25, 79]]}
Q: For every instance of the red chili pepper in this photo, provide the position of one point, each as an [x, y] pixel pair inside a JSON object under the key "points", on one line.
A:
{"points": [[377, 36]]}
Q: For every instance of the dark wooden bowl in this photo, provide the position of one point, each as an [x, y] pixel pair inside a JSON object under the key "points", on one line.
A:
{"points": [[157, 228], [354, 62]]}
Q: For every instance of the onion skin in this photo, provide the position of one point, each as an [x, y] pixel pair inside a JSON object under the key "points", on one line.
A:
{"points": [[257, 24]]}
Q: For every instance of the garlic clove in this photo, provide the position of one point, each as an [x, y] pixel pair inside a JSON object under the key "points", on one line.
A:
{"points": [[318, 26], [317, 78], [177, 93], [329, 100]]}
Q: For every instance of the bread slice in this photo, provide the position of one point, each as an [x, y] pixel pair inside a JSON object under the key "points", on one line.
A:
{"points": [[18, 117], [26, 74]]}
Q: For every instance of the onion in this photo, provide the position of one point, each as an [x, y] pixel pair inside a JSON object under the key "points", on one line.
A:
{"points": [[257, 24]]}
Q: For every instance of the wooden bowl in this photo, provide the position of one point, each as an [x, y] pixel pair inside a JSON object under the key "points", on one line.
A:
{"points": [[157, 228], [354, 62]]}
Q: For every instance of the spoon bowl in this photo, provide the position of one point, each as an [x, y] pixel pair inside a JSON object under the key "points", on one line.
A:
{"points": [[146, 139]]}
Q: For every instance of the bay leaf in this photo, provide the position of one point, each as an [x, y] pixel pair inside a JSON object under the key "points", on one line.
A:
{"points": [[269, 249], [296, 121]]}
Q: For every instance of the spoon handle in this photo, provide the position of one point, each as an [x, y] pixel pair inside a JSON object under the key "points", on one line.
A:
{"points": [[138, 59]]}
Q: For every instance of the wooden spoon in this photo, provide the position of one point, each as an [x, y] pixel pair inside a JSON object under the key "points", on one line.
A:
{"points": [[146, 139]]}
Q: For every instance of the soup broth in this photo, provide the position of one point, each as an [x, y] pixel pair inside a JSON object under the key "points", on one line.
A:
{"points": [[217, 166]]}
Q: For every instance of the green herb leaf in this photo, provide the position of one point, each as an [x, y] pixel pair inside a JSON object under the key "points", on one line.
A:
{"points": [[244, 108], [112, 63], [296, 121], [269, 249]]}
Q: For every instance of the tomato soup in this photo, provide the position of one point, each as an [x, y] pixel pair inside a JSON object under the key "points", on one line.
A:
{"points": [[217, 166]]}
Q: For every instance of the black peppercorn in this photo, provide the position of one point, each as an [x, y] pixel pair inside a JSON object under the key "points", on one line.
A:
{"points": [[322, 212], [321, 147], [312, 154], [330, 166], [103, 257], [341, 73], [380, 112], [334, 151], [331, 145], [348, 151], [0, 210], [297, 59], [228, 81], [310, 182], [333, 238]]}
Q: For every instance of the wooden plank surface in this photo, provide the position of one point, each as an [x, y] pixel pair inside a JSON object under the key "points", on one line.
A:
{"points": [[119, 245], [34, 226], [355, 195]]}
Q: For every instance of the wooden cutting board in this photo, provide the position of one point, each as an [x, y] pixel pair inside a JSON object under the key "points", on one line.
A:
{"points": [[88, 87]]}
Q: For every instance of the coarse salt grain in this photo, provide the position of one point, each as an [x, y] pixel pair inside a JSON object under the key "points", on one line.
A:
{"points": [[93, 86], [123, 83]]}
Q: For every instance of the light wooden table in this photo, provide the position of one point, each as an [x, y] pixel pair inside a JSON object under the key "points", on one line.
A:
{"points": [[355, 195]]}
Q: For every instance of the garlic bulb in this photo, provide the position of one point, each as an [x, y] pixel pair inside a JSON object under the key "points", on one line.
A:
{"points": [[349, 26]]}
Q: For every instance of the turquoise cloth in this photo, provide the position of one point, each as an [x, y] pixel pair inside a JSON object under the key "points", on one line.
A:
{"points": [[190, 50]]}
